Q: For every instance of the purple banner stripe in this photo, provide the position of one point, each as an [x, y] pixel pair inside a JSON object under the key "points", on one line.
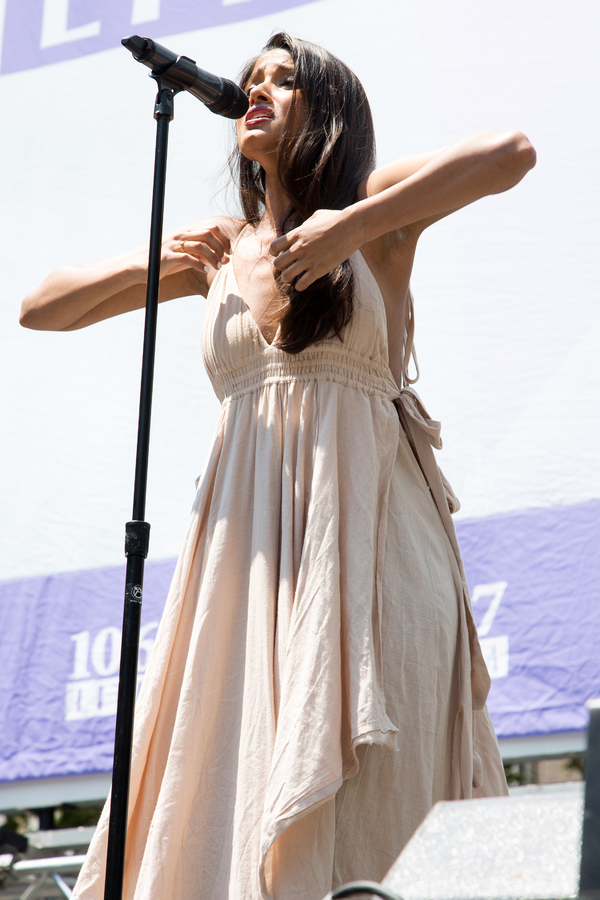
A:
{"points": [[548, 616], [535, 582], [59, 646], [37, 32]]}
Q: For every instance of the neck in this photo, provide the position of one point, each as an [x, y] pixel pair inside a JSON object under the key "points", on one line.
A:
{"points": [[277, 207]]}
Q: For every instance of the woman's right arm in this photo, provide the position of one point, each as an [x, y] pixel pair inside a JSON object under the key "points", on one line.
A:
{"points": [[75, 296]]}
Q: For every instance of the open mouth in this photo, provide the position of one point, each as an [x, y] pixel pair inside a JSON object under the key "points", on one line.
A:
{"points": [[258, 114]]}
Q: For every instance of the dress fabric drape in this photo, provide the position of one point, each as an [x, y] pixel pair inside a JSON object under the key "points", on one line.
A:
{"points": [[316, 683]]}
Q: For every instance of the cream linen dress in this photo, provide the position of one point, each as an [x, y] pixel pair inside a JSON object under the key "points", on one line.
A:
{"points": [[312, 689]]}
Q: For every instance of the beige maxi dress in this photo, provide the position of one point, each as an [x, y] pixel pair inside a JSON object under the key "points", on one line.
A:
{"points": [[316, 683]]}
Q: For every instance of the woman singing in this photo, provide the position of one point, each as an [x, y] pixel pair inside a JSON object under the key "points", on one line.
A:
{"points": [[317, 683]]}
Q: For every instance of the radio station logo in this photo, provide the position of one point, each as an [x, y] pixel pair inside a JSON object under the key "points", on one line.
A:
{"points": [[91, 691]]}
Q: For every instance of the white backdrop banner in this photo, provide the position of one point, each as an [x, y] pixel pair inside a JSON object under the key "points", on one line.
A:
{"points": [[507, 311]]}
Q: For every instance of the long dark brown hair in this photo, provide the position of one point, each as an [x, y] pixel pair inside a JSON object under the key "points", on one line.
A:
{"points": [[320, 166]]}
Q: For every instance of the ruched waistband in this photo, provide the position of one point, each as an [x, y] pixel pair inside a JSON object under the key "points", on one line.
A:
{"points": [[328, 363]]}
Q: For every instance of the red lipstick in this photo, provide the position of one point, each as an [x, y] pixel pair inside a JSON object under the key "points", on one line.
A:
{"points": [[258, 114]]}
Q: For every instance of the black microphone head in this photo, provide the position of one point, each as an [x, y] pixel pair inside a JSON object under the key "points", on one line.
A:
{"points": [[135, 44], [233, 102]]}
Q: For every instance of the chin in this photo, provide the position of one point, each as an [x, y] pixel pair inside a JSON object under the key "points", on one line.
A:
{"points": [[250, 153], [255, 150]]}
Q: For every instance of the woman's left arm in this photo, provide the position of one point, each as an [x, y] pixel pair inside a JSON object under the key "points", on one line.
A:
{"points": [[486, 163]]}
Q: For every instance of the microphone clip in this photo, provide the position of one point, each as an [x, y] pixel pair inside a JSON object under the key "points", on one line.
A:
{"points": [[164, 106]]}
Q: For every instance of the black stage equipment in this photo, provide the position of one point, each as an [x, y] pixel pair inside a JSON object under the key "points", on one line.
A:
{"points": [[173, 74], [589, 883], [11, 840]]}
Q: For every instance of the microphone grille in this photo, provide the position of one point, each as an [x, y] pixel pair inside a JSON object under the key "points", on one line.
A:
{"points": [[233, 103]]}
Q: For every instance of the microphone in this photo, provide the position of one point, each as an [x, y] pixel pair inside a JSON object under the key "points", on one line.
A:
{"points": [[181, 73]]}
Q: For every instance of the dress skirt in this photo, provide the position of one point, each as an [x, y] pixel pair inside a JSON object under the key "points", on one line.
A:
{"points": [[317, 683]]}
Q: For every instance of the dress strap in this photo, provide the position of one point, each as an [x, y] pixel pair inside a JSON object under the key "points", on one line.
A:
{"points": [[237, 240], [409, 345]]}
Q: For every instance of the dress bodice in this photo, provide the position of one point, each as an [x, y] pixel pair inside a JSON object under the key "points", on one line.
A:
{"points": [[239, 359]]}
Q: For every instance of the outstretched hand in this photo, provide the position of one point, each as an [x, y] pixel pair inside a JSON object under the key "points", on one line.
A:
{"points": [[314, 248]]}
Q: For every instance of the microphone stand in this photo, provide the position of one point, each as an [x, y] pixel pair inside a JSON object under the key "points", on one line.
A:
{"points": [[137, 532], [173, 74]]}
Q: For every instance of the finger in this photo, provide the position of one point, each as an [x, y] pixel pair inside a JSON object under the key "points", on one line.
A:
{"points": [[194, 241], [177, 260], [212, 234], [223, 237], [281, 243], [194, 255], [294, 270], [201, 251], [219, 247], [195, 262], [284, 260], [304, 281]]}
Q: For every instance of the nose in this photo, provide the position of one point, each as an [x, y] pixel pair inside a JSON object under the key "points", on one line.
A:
{"points": [[259, 92]]}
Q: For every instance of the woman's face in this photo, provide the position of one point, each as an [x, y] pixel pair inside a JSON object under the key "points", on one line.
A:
{"points": [[270, 90]]}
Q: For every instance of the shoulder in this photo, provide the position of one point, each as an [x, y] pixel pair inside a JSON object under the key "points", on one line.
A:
{"points": [[227, 225]]}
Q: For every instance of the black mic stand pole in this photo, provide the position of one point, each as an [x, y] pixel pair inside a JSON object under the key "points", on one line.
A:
{"points": [[137, 532]]}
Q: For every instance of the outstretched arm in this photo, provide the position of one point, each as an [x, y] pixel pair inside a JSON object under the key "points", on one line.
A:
{"points": [[75, 296], [415, 191], [489, 162]]}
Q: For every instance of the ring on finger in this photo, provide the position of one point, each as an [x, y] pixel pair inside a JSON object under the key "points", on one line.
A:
{"points": [[182, 246]]}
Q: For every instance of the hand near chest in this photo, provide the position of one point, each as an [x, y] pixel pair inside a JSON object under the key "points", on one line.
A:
{"points": [[316, 247]]}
